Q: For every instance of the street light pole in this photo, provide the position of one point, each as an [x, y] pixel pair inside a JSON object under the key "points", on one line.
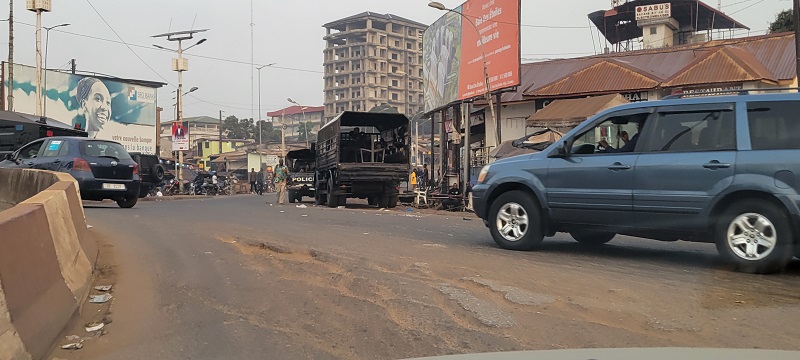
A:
{"points": [[180, 65], [260, 141], [39, 63], [46, 47]]}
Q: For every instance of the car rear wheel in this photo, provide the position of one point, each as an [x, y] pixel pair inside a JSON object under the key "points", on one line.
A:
{"points": [[755, 236], [157, 172], [515, 221], [127, 202], [292, 196], [592, 238]]}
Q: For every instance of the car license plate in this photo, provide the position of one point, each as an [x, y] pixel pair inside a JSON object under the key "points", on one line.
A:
{"points": [[108, 186]]}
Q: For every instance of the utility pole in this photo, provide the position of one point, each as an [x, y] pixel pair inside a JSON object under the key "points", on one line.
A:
{"points": [[180, 65], [283, 133], [73, 65], [39, 6], [796, 23], [10, 106], [220, 132]]}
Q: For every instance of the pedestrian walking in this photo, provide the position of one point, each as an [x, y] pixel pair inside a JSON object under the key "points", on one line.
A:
{"points": [[253, 178], [260, 183], [281, 173]]}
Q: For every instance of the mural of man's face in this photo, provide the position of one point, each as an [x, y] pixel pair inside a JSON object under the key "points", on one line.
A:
{"points": [[97, 106]]}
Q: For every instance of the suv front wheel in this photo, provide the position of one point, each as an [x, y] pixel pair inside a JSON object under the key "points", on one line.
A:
{"points": [[755, 237], [515, 221]]}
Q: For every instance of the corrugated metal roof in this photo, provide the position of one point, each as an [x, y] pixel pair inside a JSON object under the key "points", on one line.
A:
{"points": [[772, 54], [724, 65], [571, 112], [295, 109], [605, 76]]}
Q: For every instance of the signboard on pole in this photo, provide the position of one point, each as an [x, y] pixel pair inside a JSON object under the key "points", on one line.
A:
{"points": [[655, 11], [454, 48], [180, 137], [110, 109]]}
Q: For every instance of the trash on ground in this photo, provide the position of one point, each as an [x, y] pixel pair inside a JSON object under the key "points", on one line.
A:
{"points": [[89, 226], [72, 338], [301, 206], [73, 346], [387, 210], [409, 209], [270, 204], [340, 207], [304, 215], [92, 327], [366, 233], [99, 299], [381, 209], [282, 211], [467, 219], [103, 287]]}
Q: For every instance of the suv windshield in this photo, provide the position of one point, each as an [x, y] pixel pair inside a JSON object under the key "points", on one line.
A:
{"points": [[104, 149]]}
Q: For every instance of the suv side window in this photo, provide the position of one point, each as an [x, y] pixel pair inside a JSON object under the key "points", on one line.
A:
{"points": [[618, 133], [692, 128], [774, 124], [30, 151]]}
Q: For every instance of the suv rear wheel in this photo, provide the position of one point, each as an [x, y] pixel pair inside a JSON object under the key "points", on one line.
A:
{"points": [[592, 238], [515, 221], [755, 237]]}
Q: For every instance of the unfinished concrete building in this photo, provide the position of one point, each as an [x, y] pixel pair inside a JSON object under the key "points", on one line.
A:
{"points": [[373, 60]]}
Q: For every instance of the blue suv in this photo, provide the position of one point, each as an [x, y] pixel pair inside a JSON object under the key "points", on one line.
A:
{"points": [[721, 169]]}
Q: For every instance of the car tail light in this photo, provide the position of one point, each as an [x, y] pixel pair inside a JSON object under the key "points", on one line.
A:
{"points": [[136, 168], [79, 164]]}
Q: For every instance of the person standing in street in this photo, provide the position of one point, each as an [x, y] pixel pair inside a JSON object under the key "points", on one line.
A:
{"points": [[253, 178], [425, 176], [281, 173], [413, 179]]}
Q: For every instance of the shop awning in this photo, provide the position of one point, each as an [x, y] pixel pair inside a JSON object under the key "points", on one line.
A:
{"points": [[571, 112]]}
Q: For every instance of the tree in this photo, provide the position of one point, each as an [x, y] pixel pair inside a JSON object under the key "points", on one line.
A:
{"points": [[305, 130], [239, 128], [784, 21], [268, 132], [384, 108]]}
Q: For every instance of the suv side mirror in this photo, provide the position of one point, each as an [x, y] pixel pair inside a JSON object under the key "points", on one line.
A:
{"points": [[9, 156], [560, 151]]}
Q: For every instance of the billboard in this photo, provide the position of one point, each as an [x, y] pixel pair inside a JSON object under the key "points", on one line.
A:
{"points": [[453, 51], [107, 109]]}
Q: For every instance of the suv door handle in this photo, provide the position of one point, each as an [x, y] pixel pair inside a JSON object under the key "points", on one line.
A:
{"points": [[714, 164], [618, 166]]}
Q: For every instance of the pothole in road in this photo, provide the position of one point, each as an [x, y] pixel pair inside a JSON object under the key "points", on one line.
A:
{"points": [[514, 294], [485, 311]]}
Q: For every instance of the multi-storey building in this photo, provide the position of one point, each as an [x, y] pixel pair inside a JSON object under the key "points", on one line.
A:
{"points": [[372, 60]]}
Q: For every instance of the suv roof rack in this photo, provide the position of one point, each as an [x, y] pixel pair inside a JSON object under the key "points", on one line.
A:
{"points": [[720, 92]]}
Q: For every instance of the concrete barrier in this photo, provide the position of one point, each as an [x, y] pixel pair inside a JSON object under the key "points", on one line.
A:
{"points": [[46, 260]]}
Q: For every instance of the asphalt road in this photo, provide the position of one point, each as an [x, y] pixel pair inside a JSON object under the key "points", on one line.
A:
{"points": [[235, 278]]}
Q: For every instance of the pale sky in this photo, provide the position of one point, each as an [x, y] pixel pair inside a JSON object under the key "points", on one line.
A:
{"points": [[288, 33]]}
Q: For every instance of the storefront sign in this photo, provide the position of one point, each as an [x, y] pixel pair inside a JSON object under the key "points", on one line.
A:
{"points": [[636, 96], [710, 91], [655, 11]]}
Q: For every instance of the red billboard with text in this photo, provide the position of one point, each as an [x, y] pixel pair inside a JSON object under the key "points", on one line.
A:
{"points": [[454, 47]]}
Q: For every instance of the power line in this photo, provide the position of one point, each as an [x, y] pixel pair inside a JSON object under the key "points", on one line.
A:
{"points": [[126, 44], [747, 7], [240, 62]]}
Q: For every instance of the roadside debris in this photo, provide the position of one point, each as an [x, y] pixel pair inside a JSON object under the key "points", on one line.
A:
{"points": [[409, 209], [381, 209], [340, 207], [301, 206], [103, 287], [282, 211], [99, 299], [73, 346], [304, 215], [89, 226], [467, 219], [92, 327], [73, 338]]}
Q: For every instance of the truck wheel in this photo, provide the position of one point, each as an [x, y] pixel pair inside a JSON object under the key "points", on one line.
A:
{"points": [[383, 201], [319, 199], [392, 201], [292, 196], [333, 200], [372, 200]]}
